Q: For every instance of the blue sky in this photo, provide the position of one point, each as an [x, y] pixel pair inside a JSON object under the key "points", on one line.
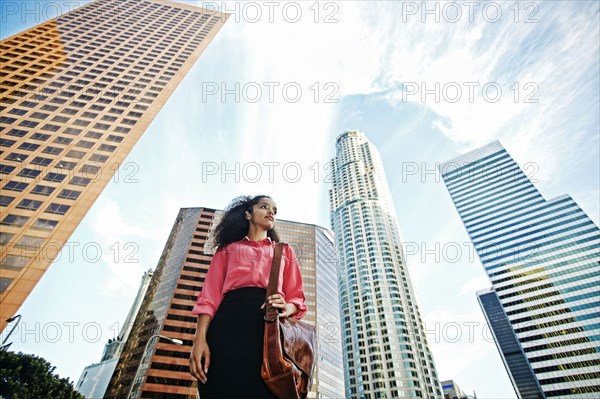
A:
{"points": [[524, 73]]}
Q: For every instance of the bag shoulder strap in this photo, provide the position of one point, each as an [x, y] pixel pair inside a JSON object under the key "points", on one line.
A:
{"points": [[274, 278]]}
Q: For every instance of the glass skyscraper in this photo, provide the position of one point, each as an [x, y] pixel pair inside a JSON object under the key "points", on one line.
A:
{"points": [[513, 356], [385, 349], [452, 391], [95, 378], [160, 369], [543, 260], [77, 93]]}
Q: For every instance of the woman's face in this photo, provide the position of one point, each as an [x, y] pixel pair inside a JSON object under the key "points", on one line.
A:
{"points": [[263, 214]]}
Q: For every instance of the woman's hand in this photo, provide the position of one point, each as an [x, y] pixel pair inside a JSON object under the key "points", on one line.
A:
{"points": [[285, 309], [199, 361], [200, 356]]}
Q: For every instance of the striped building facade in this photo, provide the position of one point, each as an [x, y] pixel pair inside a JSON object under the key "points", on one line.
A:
{"points": [[543, 260]]}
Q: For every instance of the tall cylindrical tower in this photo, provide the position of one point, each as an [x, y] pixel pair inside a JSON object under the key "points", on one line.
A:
{"points": [[385, 350]]}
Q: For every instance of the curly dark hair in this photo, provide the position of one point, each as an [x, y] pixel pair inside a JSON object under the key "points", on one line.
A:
{"points": [[234, 225]]}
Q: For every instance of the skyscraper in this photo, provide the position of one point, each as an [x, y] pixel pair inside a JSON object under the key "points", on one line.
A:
{"points": [[160, 369], [95, 378], [385, 349], [452, 391], [77, 93], [543, 260], [513, 356]]}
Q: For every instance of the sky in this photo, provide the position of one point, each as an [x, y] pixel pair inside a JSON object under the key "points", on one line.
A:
{"points": [[259, 113]]}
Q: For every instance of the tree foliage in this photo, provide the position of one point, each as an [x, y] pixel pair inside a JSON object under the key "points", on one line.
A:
{"points": [[25, 376]]}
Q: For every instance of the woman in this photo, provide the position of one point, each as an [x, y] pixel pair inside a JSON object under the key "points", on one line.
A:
{"points": [[227, 353]]}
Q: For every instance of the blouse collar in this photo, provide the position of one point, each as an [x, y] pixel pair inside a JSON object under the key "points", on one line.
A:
{"points": [[265, 241]]}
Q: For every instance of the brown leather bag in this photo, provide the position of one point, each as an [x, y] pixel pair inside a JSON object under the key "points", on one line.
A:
{"points": [[288, 351]]}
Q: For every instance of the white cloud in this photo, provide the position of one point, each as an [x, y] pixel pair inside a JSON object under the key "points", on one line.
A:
{"points": [[119, 237], [109, 223], [475, 284], [451, 333], [464, 351], [550, 60]]}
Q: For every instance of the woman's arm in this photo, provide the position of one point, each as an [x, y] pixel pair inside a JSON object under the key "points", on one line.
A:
{"points": [[206, 305], [200, 356], [212, 291], [292, 302], [292, 287]]}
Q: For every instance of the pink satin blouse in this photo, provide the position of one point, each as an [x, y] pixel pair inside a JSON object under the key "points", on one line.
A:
{"points": [[247, 263]]}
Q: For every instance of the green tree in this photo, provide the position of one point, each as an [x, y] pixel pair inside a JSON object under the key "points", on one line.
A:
{"points": [[25, 376]]}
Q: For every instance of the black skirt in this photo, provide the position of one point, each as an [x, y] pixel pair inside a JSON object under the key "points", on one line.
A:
{"points": [[235, 340]]}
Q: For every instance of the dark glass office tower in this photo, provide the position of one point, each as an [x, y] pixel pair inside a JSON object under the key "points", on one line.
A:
{"points": [[513, 356]]}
